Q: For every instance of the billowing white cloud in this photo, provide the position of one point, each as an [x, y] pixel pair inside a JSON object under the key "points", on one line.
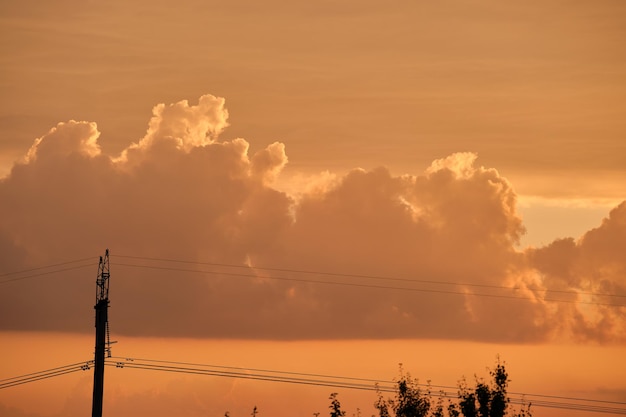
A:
{"points": [[186, 126], [181, 192], [65, 139]]}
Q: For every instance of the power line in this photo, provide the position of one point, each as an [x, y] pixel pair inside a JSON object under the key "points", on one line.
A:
{"points": [[237, 368], [40, 372], [579, 404], [243, 375], [56, 271], [370, 380], [322, 273], [45, 376], [4, 274], [361, 285], [377, 277], [39, 274], [300, 378], [48, 373]]}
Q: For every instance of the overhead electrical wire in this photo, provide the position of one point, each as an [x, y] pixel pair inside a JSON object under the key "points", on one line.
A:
{"points": [[544, 401], [300, 378], [48, 373], [377, 277], [369, 380], [363, 285], [56, 270], [316, 281], [243, 375], [46, 266], [237, 369], [44, 273]]}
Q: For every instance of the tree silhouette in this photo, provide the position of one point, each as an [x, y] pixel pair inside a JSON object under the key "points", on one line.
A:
{"points": [[482, 400], [488, 400], [335, 406], [409, 400]]}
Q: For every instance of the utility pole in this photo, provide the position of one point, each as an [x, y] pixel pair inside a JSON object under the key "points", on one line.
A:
{"points": [[102, 326]]}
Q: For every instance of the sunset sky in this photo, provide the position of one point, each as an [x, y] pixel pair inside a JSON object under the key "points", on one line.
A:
{"points": [[330, 187]]}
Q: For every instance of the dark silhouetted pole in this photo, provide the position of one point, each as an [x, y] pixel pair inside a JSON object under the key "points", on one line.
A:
{"points": [[102, 307]]}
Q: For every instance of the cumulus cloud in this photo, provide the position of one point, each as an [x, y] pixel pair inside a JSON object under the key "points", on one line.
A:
{"points": [[65, 139], [183, 125], [594, 268], [182, 192]]}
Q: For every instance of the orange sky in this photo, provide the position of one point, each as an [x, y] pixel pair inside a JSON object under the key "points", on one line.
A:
{"points": [[136, 392], [536, 89], [478, 146]]}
